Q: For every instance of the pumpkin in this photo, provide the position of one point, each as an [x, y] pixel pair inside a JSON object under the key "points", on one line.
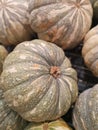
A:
{"points": [[38, 81], [95, 8], [85, 114], [62, 22], [85, 77], [14, 27], [3, 54], [9, 120], [54, 125], [90, 50]]}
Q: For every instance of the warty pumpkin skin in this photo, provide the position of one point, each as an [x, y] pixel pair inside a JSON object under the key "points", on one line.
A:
{"points": [[54, 125], [62, 22], [3, 55], [85, 114], [14, 27], [9, 120], [90, 50], [38, 81]]}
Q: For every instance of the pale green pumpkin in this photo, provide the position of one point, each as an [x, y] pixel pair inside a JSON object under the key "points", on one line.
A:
{"points": [[54, 125], [39, 81], [85, 114]]}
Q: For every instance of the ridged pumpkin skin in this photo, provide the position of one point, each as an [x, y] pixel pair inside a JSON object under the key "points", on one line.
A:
{"points": [[62, 22], [3, 55], [85, 114], [90, 50], [54, 125], [14, 26], [9, 120], [38, 81]]}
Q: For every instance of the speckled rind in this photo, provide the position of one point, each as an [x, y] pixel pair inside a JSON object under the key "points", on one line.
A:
{"points": [[62, 22], [85, 114], [9, 120], [29, 87]]}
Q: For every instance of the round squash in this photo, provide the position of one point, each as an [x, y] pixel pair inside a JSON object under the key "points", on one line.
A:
{"points": [[62, 22], [3, 54], [9, 120], [90, 50], [85, 114], [38, 81], [14, 27], [54, 125]]}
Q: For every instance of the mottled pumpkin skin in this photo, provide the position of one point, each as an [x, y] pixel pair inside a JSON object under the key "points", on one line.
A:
{"points": [[85, 114], [9, 120], [3, 55], [90, 50], [54, 125], [62, 22], [38, 81], [14, 27]]}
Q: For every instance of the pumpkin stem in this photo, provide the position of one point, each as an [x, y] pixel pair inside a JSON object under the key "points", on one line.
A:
{"points": [[45, 126], [77, 5], [55, 71]]}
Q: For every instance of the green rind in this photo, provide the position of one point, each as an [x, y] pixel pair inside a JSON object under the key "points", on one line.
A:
{"points": [[85, 114], [9, 120], [26, 81]]}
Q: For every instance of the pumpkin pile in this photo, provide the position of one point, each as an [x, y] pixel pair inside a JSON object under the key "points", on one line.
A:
{"points": [[48, 65], [64, 22]]}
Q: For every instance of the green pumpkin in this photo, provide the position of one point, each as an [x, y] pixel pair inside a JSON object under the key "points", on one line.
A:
{"points": [[39, 81], [54, 125], [9, 120], [3, 54], [85, 114]]}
